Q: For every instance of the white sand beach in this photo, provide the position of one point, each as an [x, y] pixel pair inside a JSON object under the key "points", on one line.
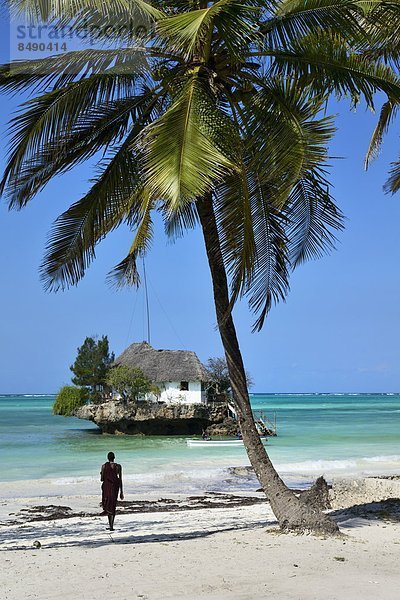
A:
{"points": [[211, 546]]}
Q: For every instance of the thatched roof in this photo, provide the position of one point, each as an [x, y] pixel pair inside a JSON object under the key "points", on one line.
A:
{"points": [[163, 365]]}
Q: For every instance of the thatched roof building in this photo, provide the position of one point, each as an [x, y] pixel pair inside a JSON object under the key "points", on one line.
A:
{"points": [[163, 365]]}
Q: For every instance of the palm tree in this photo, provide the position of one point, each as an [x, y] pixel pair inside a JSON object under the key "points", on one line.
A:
{"points": [[216, 117]]}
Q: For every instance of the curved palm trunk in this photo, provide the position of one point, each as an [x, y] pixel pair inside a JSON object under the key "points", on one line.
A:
{"points": [[292, 513]]}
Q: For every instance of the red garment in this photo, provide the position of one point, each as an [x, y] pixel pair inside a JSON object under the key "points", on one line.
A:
{"points": [[110, 488]]}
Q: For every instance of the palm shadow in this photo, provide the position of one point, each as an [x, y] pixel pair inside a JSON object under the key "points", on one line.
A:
{"points": [[355, 516], [124, 537]]}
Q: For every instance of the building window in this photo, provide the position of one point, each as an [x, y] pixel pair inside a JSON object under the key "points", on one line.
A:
{"points": [[184, 387]]}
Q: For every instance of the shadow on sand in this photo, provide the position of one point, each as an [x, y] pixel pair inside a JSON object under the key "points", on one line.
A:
{"points": [[57, 526], [121, 535], [355, 516]]}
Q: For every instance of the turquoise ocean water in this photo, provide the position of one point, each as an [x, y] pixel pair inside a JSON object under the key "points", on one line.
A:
{"points": [[334, 435]]}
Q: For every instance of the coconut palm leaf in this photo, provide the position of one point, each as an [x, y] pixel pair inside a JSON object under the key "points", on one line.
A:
{"points": [[64, 11], [237, 30], [288, 134], [54, 72], [294, 19], [126, 273], [59, 157], [387, 115], [286, 144], [253, 243], [183, 218], [188, 32], [382, 22], [312, 219], [392, 185], [50, 118], [189, 148], [116, 196], [104, 125], [71, 245], [387, 53], [324, 62], [235, 225], [270, 281]]}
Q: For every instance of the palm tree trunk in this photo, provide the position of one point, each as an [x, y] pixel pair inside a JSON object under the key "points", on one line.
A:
{"points": [[291, 512]]}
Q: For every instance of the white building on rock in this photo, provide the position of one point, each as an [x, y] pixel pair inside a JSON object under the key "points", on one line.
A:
{"points": [[179, 374]]}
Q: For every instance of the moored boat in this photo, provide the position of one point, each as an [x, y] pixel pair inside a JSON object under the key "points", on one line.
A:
{"points": [[192, 443]]}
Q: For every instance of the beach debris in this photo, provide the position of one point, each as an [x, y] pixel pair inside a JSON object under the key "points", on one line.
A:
{"points": [[339, 558], [217, 500], [37, 544]]}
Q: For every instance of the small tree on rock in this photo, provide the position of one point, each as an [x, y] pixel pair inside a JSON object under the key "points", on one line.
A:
{"points": [[92, 364], [130, 383], [219, 374]]}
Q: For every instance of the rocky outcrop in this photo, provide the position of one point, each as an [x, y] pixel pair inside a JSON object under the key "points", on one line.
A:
{"points": [[226, 426], [157, 418]]}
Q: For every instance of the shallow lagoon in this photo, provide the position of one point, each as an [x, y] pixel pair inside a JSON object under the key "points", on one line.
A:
{"points": [[317, 434]]}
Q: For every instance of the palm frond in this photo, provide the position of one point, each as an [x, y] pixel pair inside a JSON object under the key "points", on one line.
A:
{"points": [[387, 115], [126, 272], [392, 185], [324, 62], [382, 24], [236, 233], [183, 218], [46, 120], [285, 144], [188, 32], [189, 148], [312, 218], [270, 281], [237, 29], [253, 242], [59, 157], [386, 53], [71, 245], [294, 19], [104, 125], [287, 134], [64, 11], [55, 72], [116, 196]]}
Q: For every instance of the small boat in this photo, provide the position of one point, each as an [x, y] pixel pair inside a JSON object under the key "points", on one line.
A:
{"points": [[201, 443]]}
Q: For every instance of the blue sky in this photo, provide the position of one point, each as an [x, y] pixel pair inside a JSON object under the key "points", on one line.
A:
{"points": [[338, 331]]}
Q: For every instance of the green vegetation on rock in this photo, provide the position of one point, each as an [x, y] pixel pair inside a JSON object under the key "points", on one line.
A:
{"points": [[130, 383], [68, 399]]}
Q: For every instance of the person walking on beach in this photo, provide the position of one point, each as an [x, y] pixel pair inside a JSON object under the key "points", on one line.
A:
{"points": [[111, 477]]}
